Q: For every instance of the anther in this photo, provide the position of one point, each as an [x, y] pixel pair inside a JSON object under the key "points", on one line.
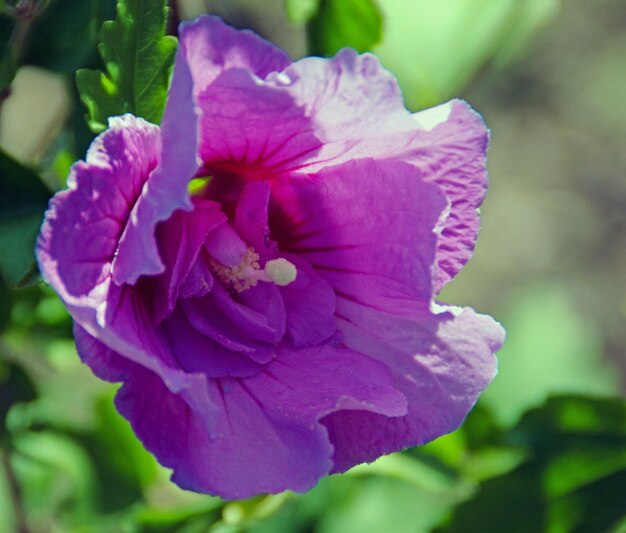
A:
{"points": [[248, 273]]}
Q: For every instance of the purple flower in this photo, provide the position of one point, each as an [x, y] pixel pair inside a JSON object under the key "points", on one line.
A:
{"points": [[277, 323]]}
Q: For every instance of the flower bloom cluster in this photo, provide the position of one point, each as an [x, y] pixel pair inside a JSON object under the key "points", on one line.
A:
{"points": [[260, 271]]}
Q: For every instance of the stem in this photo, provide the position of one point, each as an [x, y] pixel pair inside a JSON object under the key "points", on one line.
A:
{"points": [[174, 20], [24, 13], [15, 492]]}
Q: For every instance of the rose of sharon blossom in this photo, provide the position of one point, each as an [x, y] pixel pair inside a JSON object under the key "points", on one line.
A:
{"points": [[277, 323]]}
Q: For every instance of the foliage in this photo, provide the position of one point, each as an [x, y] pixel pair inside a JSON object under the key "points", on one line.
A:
{"points": [[527, 376], [301, 11], [437, 47], [138, 58], [8, 59], [59, 35], [21, 189], [575, 466], [64, 36], [339, 23], [23, 198]]}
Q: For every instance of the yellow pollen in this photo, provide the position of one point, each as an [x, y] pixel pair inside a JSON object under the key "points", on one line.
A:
{"points": [[248, 273], [240, 275]]}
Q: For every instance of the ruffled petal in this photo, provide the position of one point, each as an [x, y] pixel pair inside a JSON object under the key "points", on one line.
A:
{"points": [[180, 240], [280, 407], [209, 47], [357, 111], [355, 105], [81, 231], [441, 363], [379, 246], [166, 190], [246, 125], [129, 348], [451, 151], [79, 239]]}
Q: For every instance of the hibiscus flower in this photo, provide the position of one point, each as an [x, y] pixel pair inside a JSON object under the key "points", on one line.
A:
{"points": [[260, 271]]}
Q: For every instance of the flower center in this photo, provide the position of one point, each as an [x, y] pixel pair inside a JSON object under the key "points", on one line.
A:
{"points": [[248, 273]]}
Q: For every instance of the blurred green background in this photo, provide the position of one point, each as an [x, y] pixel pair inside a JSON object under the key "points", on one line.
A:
{"points": [[545, 448]]}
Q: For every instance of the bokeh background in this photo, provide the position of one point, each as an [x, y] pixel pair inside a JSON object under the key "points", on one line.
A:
{"points": [[545, 448]]}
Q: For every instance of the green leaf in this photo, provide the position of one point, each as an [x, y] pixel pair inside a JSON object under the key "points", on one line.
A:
{"points": [[8, 59], [21, 189], [15, 387], [436, 48], [382, 504], [301, 11], [17, 245], [138, 58], [550, 349], [124, 467], [409, 469], [8, 66], [574, 478], [57, 475], [528, 18], [23, 199], [126, 454], [64, 37], [339, 23], [169, 520], [5, 303]]}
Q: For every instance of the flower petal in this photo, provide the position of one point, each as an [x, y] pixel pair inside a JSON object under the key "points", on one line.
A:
{"points": [[225, 246], [355, 105], [252, 128], [357, 111], [441, 363], [379, 247], [251, 219], [91, 216], [209, 47], [280, 407], [198, 282], [180, 240], [119, 353], [196, 352], [207, 319], [451, 152], [309, 304], [247, 126], [78, 241], [264, 300], [166, 190], [104, 362]]}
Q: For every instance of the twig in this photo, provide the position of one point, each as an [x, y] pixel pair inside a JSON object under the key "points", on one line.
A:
{"points": [[15, 492]]}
